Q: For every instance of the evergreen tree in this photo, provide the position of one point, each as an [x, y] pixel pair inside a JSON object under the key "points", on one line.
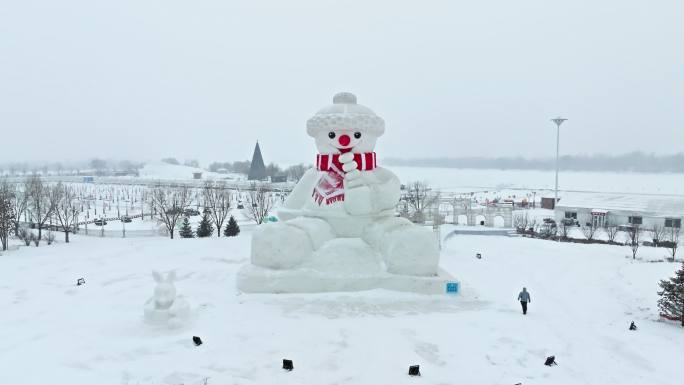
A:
{"points": [[205, 227], [671, 302], [186, 230], [232, 228]]}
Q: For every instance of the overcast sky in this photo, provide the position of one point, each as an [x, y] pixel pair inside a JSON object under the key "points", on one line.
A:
{"points": [[205, 79]]}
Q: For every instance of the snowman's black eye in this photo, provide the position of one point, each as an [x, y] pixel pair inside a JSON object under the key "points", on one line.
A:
{"points": [[357, 135], [331, 135]]}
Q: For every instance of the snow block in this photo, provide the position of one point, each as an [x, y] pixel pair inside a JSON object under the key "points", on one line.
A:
{"points": [[342, 264], [255, 279]]}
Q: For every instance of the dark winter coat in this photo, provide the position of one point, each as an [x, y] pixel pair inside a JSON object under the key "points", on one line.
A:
{"points": [[524, 296]]}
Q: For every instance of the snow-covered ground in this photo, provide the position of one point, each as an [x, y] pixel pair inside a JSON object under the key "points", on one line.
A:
{"points": [[162, 170], [583, 299]]}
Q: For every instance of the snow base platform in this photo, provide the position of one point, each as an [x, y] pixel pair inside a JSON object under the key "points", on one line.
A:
{"points": [[255, 279]]}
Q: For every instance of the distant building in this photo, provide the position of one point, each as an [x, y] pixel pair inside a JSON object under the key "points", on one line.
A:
{"points": [[88, 179], [279, 178], [621, 209], [125, 173], [196, 175], [547, 203], [257, 169]]}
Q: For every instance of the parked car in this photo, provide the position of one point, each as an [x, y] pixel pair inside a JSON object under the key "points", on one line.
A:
{"points": [[570, 222], [191, 212], [126, 219], [100, 222], [172, 211]]}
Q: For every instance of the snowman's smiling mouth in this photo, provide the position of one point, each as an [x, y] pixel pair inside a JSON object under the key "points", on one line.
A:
{"points": [[345, 150]]}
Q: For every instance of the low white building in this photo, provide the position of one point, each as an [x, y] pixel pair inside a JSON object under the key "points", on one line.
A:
{"points": [[621, 209]]}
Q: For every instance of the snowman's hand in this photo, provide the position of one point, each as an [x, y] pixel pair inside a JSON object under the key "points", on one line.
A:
{"points": [[347, 167], [346, 157]]}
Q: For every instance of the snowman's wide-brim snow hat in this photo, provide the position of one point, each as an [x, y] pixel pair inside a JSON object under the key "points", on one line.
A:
{"points": [[345, 114]]}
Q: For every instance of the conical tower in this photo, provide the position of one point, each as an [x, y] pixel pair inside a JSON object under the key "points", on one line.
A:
{"points": [[257, 170]]}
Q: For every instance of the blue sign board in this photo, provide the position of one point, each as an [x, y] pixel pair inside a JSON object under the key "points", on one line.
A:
{"points": [[452, 287]]}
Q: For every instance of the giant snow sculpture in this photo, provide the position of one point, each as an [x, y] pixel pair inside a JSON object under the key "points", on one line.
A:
{"points": [[338, 228]]}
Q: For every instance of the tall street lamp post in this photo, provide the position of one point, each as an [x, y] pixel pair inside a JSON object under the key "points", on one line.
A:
{"points": [[558, 122]]}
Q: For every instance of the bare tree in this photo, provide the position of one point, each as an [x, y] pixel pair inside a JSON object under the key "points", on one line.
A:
{"points": [[99, 165], [420, 198], [634, 236], [170, 204], [217, 200], [295, 172], [563, 229], [611, 230], [7, 214], [67, 209], [589, 230], [673, 234], [20, 200], [657, 232], [42, 202], [520, 220], [259, 203]]}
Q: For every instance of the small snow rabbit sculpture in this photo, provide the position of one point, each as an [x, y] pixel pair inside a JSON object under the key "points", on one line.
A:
{"points": [[165, 305]]}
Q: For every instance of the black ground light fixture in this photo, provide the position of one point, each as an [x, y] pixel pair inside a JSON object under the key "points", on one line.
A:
{"points": [[414, 370], [80, 282], [478, 256], [632, 326], [550, 361], [197, 341], [287, 364]]}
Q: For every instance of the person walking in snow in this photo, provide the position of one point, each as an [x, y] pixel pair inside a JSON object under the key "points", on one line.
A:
{"points": [[524, 298]]}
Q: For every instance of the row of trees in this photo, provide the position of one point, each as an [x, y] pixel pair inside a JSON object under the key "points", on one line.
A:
{"points": [[57, 205], [294, 172], [667, 237], [205, 228], [187, 162], [634, 161], [170, 204], [39, 202], [97, 165]]}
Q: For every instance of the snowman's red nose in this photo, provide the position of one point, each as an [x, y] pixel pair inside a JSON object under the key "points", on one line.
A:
{"points": [[344, 140]]}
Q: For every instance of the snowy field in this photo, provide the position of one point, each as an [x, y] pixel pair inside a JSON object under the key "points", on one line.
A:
{"points": [[583, 299]]}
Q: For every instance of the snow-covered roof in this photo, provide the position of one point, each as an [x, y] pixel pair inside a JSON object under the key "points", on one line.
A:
{"points": [[647, 204]]}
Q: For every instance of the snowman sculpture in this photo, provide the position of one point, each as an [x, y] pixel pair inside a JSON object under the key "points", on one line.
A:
{"points": [[339, 230]]}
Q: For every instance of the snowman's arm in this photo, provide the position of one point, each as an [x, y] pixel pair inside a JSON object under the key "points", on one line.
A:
{"points": [[385, 193], [300, 195], [371, 192]]}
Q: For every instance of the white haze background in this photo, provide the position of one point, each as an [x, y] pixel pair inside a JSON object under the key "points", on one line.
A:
{"points": [[206, 79]]}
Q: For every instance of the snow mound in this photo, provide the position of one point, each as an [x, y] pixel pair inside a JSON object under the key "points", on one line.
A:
{"points": [[161, 170]]}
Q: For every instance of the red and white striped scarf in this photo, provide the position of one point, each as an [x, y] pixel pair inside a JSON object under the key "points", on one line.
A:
{"points": [[330, 186]]}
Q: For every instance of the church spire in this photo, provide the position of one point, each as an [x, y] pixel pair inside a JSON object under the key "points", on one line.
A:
{"points": [[257, 169]]}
